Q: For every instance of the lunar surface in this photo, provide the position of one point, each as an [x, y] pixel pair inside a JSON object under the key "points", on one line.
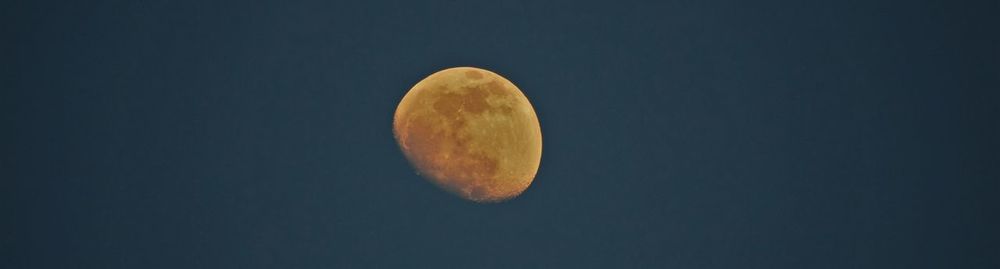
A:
{"points": [[471, 132]]}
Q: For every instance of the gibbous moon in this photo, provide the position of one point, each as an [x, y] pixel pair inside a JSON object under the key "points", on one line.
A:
{"points": [[471, 132]]}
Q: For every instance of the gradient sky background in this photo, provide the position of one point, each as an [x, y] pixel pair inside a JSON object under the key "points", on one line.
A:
{"points": [[685, 134]]}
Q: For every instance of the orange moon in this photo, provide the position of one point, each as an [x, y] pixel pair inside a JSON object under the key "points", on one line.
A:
{"points": [[471, 132]]}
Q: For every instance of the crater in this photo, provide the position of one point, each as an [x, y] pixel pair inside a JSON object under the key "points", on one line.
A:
{"points": [[451, 105], [473, 74]]}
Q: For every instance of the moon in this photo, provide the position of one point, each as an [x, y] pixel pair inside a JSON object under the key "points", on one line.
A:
{"points": [[471, 132]]}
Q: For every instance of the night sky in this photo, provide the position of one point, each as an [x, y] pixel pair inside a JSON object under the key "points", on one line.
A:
{"points": [[681, 134]]}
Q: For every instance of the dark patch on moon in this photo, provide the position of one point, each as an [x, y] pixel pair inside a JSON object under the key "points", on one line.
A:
{"points": [[473, 74]]}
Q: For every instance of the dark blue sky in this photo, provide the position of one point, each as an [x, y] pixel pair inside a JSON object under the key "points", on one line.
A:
{"points": [[684, 134]]}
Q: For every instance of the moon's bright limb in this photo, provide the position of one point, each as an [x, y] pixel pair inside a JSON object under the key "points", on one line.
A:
{"points": [[471, 132]]}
